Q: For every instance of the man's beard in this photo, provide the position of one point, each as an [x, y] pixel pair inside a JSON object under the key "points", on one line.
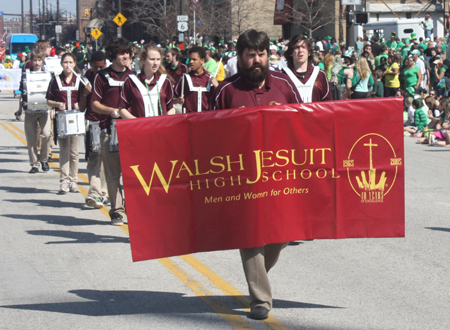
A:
{"points": [[255, 76]]}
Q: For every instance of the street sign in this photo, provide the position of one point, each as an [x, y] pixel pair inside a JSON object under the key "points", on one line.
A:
{"points": [[180, 37], [119, 32], [182, 18], [58, 28], [350, 2], [77, 35], [96, 33], [119, 19], [182, 26]]}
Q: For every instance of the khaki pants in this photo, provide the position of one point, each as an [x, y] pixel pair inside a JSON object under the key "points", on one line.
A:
{"points": [[68, 158], [257, 262], [33, 124], [95, 172], [111, 163], [178, 108]]}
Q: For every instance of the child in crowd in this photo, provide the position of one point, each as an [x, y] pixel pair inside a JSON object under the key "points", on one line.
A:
{"points": [[441, 137], [420, 119], [378, 87]]}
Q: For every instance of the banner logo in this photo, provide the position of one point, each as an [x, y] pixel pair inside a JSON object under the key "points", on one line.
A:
{"points": [[372, 155]]}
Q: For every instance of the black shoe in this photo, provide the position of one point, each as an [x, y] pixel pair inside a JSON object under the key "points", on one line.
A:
{"points": [[34, 170], [259, 313], [45, 166], [19, 118], [50, 159]]}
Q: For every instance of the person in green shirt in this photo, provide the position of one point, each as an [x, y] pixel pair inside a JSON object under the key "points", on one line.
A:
{"points": [[420, 119], [422, 44], [412, 75], [405, 50], [378, 88], [210, 63], [384, 53], [392, 44]]}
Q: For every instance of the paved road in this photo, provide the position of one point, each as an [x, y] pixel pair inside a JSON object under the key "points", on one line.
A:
{"points": [[62, 266]]}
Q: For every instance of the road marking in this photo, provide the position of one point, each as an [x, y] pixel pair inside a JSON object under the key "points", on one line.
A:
{"points": [[208, 298], [14, 133], [216, 305], [16, 128], [234, 294]]}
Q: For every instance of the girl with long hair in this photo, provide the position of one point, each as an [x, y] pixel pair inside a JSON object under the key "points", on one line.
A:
{"points": [[362, 79], [150, 93]]}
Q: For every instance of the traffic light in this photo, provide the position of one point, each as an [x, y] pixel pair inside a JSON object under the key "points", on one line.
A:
{"points": [[362, 18], [86, 13]]}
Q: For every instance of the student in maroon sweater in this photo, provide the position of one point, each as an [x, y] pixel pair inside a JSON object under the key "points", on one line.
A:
{"points": [[150, 93], [97, 195], [255, 85], [105, 101]]}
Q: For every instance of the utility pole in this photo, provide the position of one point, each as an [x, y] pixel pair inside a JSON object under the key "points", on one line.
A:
{"points": [[23, 17], [43, 18], [78, 21], [31, 16]]}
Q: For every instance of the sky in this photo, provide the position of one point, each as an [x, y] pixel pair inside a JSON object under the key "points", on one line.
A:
{"points": [[14, 7]]}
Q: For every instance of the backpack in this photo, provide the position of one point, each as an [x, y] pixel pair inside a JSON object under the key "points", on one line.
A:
{"points": [[336, 88]]}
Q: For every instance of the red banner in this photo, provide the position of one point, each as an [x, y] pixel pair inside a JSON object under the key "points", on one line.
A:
{"points": [[248, 177]]}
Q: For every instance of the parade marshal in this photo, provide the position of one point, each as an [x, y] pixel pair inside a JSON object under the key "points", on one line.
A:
{"points": [[255, 85]]}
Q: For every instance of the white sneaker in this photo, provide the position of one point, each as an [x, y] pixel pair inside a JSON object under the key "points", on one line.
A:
{"points": [[63, 188], [94, 202], [73, 187], [431, 139]]}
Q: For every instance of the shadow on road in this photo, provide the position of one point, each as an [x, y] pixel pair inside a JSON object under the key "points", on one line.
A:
{"points": [[49, 203], [438, 229], [105, 303], [25, 190], [60, 220], [78, 237]]}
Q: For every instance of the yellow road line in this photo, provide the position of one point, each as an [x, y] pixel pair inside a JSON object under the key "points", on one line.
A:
{"points": [[234, 294], [14, 133], [16, 128], [208, 298], [235, 320]]}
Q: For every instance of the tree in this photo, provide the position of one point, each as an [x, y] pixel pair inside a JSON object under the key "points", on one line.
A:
{"points": [[158, 17], [242, 13], [310, 15]]}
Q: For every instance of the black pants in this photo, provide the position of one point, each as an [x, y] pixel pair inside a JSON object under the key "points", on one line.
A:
{"points": [[360, 95]]}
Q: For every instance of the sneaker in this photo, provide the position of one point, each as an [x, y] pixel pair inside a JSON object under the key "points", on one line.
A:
{"points": [[34, 170], [105, 201], [431, 139], [94, 202], [74, 187], [116, 219], [63, 188], [45, 166]]}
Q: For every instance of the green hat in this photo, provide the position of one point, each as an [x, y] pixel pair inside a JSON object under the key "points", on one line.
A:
{"points": [[407, 41], [328, 37], [413, 36], [348, 53], [410, 90]]}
